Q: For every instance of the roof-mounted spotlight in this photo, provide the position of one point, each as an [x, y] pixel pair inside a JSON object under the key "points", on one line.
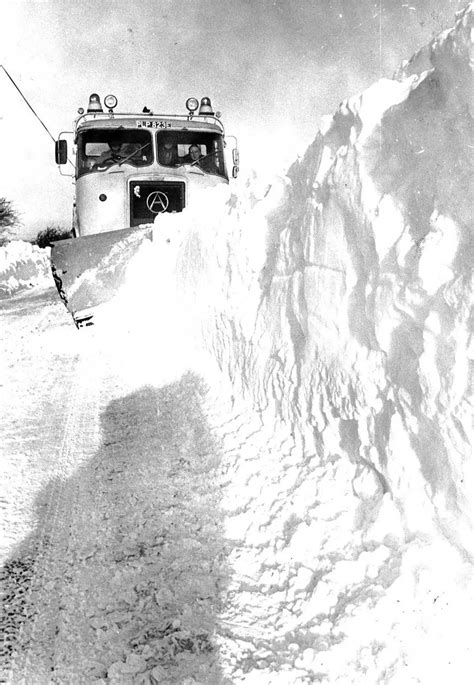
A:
{"points": [[110, 101], [94, 104], [206, 107], [191, 105]]}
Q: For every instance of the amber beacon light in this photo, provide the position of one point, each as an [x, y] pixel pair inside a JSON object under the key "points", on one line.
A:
{"points": [[94, 104], [206, 107]]}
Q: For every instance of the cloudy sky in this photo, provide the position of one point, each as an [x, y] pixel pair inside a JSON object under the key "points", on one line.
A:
{"points": [[272, 67]]}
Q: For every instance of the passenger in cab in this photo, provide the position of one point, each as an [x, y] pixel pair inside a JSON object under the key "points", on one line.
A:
{"points": [[168, 154], [204, 162], [194, 154]]}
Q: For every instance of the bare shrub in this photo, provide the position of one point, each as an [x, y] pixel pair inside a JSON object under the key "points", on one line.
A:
{"points": [[9, 219], [50, 234]]}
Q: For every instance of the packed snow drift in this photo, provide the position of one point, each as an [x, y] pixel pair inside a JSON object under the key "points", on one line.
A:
{"points": [[22, 266], [336, 302]]}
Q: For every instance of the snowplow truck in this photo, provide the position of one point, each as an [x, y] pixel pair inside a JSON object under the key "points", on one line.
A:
{"points": [[127, 170]]}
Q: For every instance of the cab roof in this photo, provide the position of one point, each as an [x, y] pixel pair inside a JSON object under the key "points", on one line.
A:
{"points": [[156, 122]]}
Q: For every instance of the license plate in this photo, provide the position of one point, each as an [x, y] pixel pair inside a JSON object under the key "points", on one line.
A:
{"points": [[146, 123]]}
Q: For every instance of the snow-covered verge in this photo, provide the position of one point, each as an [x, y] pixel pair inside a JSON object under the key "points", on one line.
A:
{"points": [[23, 265], [338, 300]]}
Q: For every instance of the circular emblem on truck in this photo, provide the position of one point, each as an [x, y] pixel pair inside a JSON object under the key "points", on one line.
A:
{"points": [[157, 202]]}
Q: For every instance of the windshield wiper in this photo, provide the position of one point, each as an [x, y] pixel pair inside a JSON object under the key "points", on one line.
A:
{"points": [[197, 161], [135, 152]]}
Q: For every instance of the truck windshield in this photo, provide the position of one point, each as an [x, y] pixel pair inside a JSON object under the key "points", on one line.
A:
{"points": [[201, 149], [99, 149]]}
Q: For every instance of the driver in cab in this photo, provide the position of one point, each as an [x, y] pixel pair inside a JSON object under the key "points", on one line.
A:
{"points": [[116, 152]]}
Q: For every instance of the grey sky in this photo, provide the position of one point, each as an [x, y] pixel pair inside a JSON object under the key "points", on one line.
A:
{"points": [[272, 67]]}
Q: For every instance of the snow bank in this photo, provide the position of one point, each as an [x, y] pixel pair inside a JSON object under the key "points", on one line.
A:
{"points": [[23, 265], [338, 301]]}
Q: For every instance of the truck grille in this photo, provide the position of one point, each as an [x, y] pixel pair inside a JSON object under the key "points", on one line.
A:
{"points": [[149, 198]]}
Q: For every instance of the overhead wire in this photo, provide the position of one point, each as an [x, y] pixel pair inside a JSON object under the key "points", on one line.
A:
{"points": [[24, 98], [36, 115]]}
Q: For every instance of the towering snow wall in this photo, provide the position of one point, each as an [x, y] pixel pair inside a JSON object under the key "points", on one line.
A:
{"points": [[338, 301], [341, 298]]}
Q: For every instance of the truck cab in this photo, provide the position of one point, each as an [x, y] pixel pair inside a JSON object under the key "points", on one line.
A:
{"points": [[129, 168]]}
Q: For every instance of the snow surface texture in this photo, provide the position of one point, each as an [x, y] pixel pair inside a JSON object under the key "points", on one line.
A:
{"points": [[23, 265], [337, 301]]}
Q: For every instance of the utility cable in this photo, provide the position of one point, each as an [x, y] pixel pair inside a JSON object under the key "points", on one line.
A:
{"points": [[36, 115], [24, 98]]}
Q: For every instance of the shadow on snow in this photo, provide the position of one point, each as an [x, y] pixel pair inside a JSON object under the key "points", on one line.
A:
{"points": [[137, 561]]}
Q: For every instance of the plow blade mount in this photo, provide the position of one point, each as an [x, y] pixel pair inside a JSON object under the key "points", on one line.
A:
{"points": [[88, 271]]}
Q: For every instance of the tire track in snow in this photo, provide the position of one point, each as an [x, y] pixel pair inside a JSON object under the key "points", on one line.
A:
{"points": [[34, 381], [34, 658]]}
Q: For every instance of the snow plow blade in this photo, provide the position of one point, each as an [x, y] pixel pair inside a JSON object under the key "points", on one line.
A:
{"points": [[88, 271]]}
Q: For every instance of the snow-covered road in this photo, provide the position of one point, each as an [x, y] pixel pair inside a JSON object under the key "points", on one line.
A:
{"points": [[111, 501]]}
